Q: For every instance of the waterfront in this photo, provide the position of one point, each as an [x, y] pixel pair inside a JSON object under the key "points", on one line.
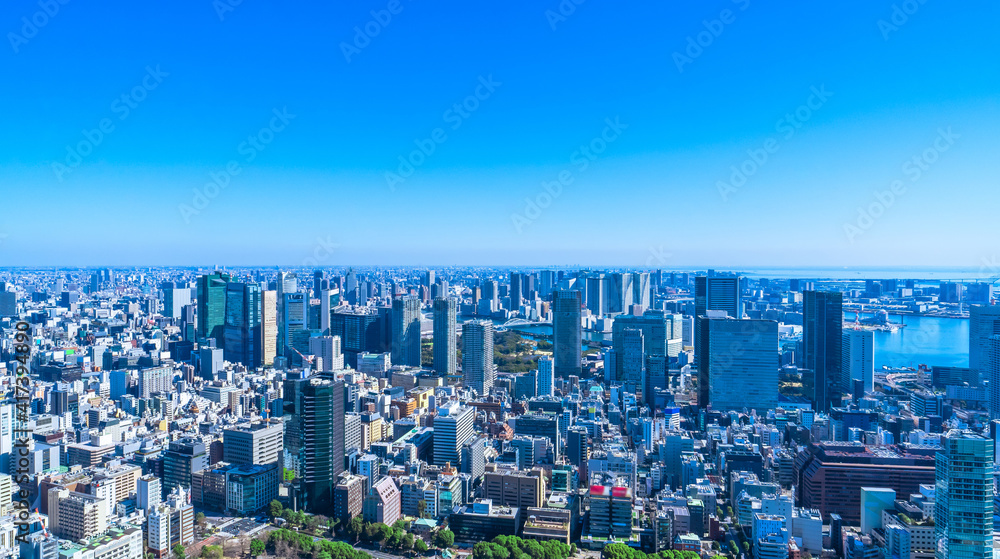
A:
{"points": [[927, 340]]}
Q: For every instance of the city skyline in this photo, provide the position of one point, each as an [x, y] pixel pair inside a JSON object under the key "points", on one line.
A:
{"points": [[673, 99]]}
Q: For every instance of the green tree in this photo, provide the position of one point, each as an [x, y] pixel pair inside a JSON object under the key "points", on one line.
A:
{"points": [[355, 528], [408, 542], [444, 538], [275, 508], [211, 552], [419, 546], [257, 547], [199, 519], [746, 547], [179, 552]]}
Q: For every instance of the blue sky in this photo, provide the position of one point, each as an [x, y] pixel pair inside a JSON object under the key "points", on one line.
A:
{"points": [[199, 79]]}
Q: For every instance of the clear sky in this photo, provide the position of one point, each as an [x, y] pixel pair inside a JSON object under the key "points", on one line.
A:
{"points": [[665, 98]]}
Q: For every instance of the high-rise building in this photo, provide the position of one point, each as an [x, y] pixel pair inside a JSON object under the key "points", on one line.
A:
{"points": [[327, 349], [990, 368], [174, 299], [661, 333], [295, 326], [546, 380], [633, 361], [642, 291], [148, 493], [567, 333], [737, 364], [445, 336], [477, 356], [259, 443], [287, 283], [858, 363], [578, 450], [718, 293], [318, 278], [596, 286], [823, 340], [516, 291], [963, 511], [514, 488], [268, 327], [183, 458], [241, 333], [314, 438], [984, 322], [155, 379], [406, 331], [212, 306], [452, 427]]}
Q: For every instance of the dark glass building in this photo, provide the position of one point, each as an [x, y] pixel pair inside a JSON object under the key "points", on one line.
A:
{"points": [[822, 340]]}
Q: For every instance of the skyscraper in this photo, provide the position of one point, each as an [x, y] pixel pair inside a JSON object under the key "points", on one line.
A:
{"points": [[327, 348], [212, 306], [295, 325], [567, 333], [516, 289], [287, 283], [477, 355], [963, 511], [318, 277], [241, 333], [984, 321], [406, 331], [452, 427], [314, 439], [596, 286], [858, 364], [657, 330], [991, 371], [718, 293], [737, 364], [546, 381], [578, 451], [174, 299], [182, 458], [642, 291], [445, 336], [822, 340], [633, 361], [268, 327]]}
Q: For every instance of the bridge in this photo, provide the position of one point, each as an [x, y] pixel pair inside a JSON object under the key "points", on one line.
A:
{"points": [[523, 322]]}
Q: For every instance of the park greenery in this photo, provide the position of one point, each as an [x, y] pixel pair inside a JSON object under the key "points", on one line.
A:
{"points": [[622, 551], [513, 547], [284, 543]]}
